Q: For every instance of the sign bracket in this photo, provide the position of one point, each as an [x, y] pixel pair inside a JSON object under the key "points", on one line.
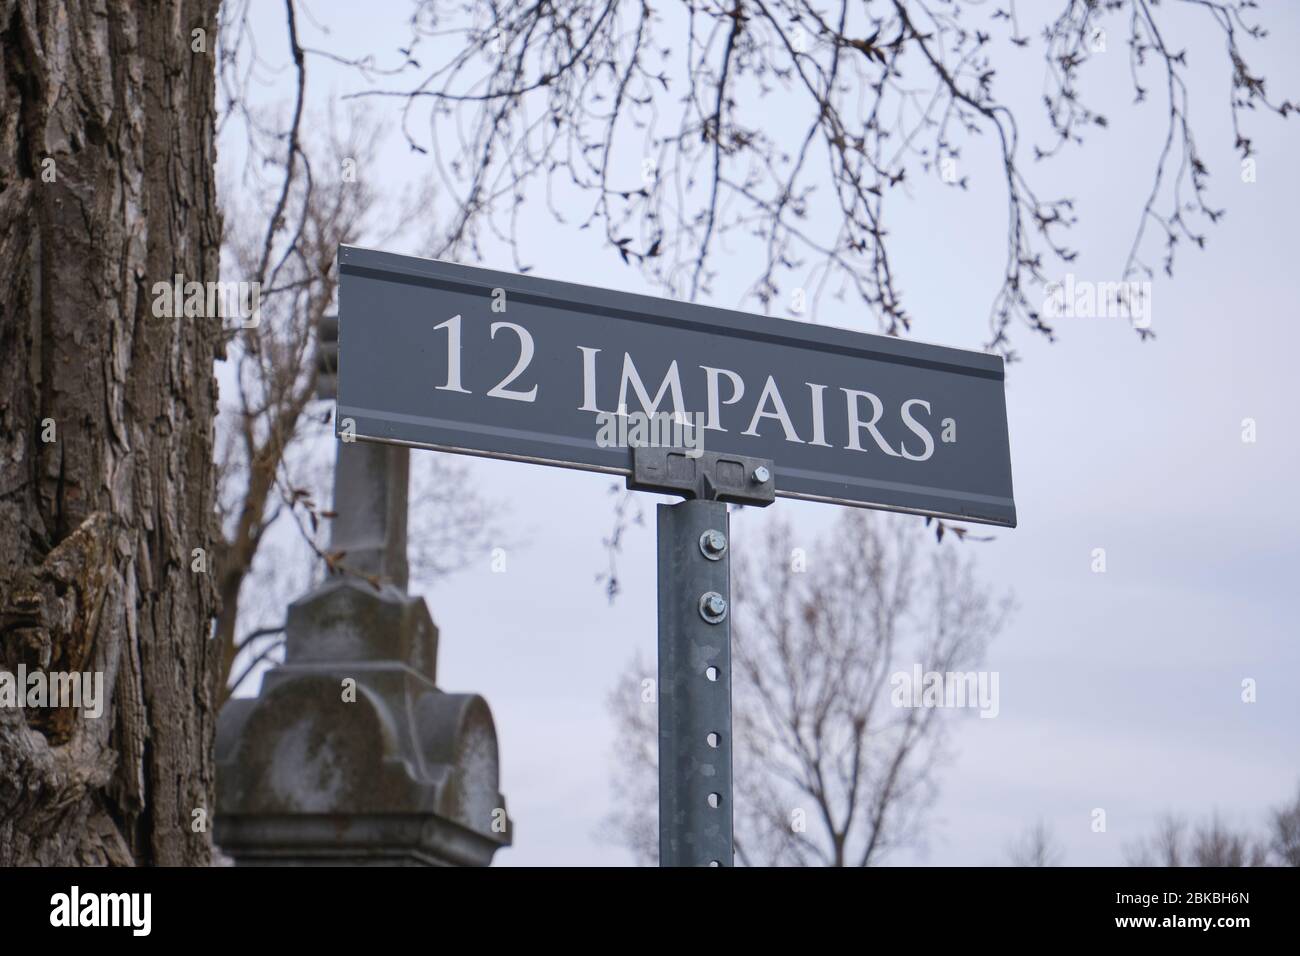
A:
{"points": [[706, 475]]}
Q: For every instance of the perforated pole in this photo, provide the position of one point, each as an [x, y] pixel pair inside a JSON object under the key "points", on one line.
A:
{"points": [[695, 815]]}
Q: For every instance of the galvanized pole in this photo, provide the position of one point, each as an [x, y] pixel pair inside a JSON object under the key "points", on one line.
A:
{"points": [[695, 817]]}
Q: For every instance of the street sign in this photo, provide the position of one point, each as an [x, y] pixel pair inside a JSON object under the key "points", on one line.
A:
{"points": [[455, 358], [440, 355]]}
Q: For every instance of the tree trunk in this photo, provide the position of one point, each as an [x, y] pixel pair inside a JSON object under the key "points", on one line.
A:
{"points": [[107, 126]]}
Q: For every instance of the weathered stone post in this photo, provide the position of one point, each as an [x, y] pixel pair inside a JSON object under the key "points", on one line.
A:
{"points": [[350, 754]]}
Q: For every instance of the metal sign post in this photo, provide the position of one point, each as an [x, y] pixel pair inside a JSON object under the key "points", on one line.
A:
{"points": [[694, 686], [695, 745], [695, 815]]}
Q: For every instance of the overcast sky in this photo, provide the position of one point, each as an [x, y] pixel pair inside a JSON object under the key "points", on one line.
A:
{"points": [[1119, 690]]}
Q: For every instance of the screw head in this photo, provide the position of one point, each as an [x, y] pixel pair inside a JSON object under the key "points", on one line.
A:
{"points": [[713, 607], [713, 544], [761, 475]]}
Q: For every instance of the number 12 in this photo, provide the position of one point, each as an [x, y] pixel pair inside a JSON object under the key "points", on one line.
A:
{"points": [[501, 389]]}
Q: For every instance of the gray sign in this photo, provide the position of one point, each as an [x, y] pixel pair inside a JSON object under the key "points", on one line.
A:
{"points": [[461, 359]]}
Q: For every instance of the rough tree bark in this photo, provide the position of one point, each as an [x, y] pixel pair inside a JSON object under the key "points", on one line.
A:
{"points": [[107, 125]]}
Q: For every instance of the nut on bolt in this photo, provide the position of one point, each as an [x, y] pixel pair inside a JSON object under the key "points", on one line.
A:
{"points": [[761, 475], [713, 544], [713, 607]]}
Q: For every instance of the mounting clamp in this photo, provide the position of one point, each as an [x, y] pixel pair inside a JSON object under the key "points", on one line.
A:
{"points": [[708, 475]]}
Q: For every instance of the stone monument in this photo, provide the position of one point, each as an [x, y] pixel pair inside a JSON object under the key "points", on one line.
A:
{"points": [[350, 753]]}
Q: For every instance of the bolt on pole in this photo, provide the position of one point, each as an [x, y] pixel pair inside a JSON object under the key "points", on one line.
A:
{"points": [[695, 794]]}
